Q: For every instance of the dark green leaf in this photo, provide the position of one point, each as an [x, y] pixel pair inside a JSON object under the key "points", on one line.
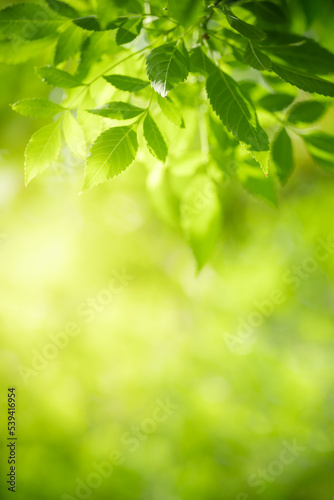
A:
{"points": [[63, 9], [235, 110], [89, 23], [167, 66], [126, 83], [320, 145], [37, 108], [275, 102], [255, 58], [304, 81], [300, 52], [200, 62], [129, 31], [117, 111], [155, 142], [267, 13], [306, 112], [112, 152], [57, 77], [282, 155], [245, 29]]}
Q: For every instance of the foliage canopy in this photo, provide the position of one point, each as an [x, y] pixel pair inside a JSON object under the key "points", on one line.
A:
{"points": [[243, 73]]}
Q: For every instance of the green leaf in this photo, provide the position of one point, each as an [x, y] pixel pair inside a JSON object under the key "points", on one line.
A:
{"points": [[126, 83], [16, 50], [235, 110], [282, 155], [88, 23], [275, 102], [112, 152], [261, 157], [167, 66], [255, 58], [201, 217], [29, 21], [68, 44], [117, 23], [37, 108], [306, 112], [245, 29], [155, 142], [42, 149], [200, 62], [57, 78], [267, 13], [74, 135], [117, 110], [93, 48], [185, 12], [171, 111], [304, 81], [300, 52], [255, 183], [62, 8], [320, 145], [129, 31]]}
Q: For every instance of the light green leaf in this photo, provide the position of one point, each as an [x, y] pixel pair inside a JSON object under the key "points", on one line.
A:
{"points": [[275, 102], [57, 77], [245, 29], [171, 111], [320, 145], [304, 81], [117, 110], [62, 8], [68, 44], [200, 62], [129, 31], [112, 152], [126, 83], [155, 142], [17, 50], [42, 149], [37, 108], [201, 217], [74, 135], [89, 23], [306, 112], [185, 12], [29, 21], [167, 66], [282, 155], [261, 157], [235, 110], [255, 58]]}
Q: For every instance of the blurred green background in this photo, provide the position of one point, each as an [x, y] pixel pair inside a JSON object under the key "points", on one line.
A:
{"points": [[90, 415]]}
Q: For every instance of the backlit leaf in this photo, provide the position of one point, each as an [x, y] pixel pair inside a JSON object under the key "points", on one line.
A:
{"points": [[112, 152]]}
